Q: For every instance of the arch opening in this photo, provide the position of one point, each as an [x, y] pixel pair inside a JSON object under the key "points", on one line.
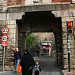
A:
{"points": [[42, 23]]}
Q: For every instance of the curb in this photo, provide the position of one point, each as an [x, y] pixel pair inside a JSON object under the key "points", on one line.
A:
{"points": [[64, 72], [68, 73], [6, 72]]}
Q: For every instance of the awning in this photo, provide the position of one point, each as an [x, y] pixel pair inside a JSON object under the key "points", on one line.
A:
{"points": [[41, 7]]}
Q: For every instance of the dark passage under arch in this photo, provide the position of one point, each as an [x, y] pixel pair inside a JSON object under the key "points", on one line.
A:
{"points": [[42, 21]]}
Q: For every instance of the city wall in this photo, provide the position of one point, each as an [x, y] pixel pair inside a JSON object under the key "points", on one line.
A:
{"points": [[9, 19]]}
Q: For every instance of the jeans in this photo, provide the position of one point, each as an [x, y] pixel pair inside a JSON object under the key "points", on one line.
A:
{"points": [[16, 63]]}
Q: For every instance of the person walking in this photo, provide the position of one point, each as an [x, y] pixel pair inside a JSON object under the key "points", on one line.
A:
{"points": [[17, 58], [27, 63], [37, 68]]}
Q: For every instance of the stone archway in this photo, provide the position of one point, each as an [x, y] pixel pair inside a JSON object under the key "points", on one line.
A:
{"points": [[41, 21]]}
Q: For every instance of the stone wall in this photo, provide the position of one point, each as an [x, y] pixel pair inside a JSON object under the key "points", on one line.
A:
{"points": [[61, 0], [15, 2], [67, 15], [9, 20]]}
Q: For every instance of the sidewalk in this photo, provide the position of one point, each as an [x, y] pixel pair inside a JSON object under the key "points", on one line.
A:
{"points": [[7, 73], [68, 73]]}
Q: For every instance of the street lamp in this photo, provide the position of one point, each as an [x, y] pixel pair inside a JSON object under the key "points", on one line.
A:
{"points": [[24, 34]]}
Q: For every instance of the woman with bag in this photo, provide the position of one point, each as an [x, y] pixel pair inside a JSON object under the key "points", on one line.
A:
{"points": [[27, 63]]}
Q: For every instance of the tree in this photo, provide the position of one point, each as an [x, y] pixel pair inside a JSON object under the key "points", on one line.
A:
{"points": [[31, 42]]}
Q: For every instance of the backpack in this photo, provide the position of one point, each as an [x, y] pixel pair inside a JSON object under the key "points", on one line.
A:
{"points": [[36, 68]]}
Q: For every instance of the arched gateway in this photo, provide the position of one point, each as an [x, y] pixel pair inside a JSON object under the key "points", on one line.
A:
{"points": [[42, 21]]}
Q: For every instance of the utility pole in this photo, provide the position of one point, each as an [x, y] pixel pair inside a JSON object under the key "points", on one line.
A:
{"points": [[68, 41], [69, 32]]}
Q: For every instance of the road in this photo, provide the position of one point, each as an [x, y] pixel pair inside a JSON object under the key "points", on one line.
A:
{"points": [[48, 67]]}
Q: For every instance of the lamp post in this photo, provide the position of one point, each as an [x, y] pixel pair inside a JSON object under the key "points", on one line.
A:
{"points": [[69, 34], [68, 41], [24, 34]]}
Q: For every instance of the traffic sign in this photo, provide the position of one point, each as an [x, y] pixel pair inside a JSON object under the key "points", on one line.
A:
{"points": [[5, 30], [4, 43], [4, 38]]}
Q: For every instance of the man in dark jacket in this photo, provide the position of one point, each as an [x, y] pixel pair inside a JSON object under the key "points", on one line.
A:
{"points": [[17, 57], [27, 63]]}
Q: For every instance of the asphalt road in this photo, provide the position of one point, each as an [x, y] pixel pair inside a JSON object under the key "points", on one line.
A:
{"points": [[48, 67], [41, 73]]}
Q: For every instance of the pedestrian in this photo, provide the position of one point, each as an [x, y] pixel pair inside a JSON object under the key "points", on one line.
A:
{"points": [[17, 57], [37, 68], [27, 63]]}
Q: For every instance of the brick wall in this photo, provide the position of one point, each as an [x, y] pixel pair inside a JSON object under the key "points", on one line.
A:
{"points": [[61, 0], [15, 2], [19, 2]]}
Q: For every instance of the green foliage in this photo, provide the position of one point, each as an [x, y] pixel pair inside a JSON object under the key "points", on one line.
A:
{"points": [[31, 41]]}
